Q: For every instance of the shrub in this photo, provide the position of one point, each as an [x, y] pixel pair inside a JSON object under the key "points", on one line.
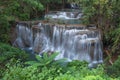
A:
{"points": [[45, 60], [114, 70], [77, 64], [17, 72], [46, 68], [8, 52], [30, 73]]}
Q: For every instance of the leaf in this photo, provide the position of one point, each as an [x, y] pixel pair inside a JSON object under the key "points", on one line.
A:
{"points": [[39, 58], [45, 60], [31, 62], [34, 63], [52, 56], [45, 56], [60, 61]]}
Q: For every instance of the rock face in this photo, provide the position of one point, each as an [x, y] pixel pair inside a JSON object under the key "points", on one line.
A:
{"points": [[74, 42]]}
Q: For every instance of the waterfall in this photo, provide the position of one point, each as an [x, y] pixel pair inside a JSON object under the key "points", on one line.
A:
{"points": [[24, 36], [73, 42]]}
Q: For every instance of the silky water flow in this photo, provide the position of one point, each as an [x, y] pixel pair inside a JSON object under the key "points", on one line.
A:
{"points": [[73, 43]]}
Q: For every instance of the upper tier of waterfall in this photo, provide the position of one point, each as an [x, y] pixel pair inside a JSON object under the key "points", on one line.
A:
{"points": [[67, 16]]}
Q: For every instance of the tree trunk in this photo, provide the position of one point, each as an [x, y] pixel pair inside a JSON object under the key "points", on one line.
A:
{"points": [[63, 4], [47, 9]]}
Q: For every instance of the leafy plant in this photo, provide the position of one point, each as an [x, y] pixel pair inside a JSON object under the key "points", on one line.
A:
{"points": [[116, 39], [77, 64], [45, 60], [39, 69], [4, 37], [8, 52], [114, 69], [32, 72], [20, 73]]}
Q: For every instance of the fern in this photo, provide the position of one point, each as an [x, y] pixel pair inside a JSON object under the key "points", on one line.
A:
{"points": [[46, 60]]}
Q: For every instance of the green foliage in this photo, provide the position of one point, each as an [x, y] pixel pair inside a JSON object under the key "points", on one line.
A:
{"points": [[84, 74], [70, 72], [116, 40], [93, 78], [38, 70], [104, 13], [18, 73], [112, 41], [4, 30], [15, 10], [50, 1], [70, 77], [45, 60], [65, 77], [45, 67], [30, 73], [114, 70], [19, 9], [8, 52], [77, 64]]}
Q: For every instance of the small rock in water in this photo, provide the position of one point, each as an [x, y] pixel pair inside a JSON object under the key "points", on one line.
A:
{"points": [[50, 52]]}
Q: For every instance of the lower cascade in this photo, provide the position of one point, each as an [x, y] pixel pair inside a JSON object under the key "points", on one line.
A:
{"points": [[74, 42]]}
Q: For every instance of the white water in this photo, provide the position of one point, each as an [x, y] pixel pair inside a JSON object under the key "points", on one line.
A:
{"points": [[24, 36], [71, 43], [64, 15]]}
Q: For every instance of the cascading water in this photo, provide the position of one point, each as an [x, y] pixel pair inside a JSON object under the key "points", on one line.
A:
{"points": [[24, 36], [74, 42], [64, 16]]}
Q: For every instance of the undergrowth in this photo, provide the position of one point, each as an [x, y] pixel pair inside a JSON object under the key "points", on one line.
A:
{"points": [[16, 66]]}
